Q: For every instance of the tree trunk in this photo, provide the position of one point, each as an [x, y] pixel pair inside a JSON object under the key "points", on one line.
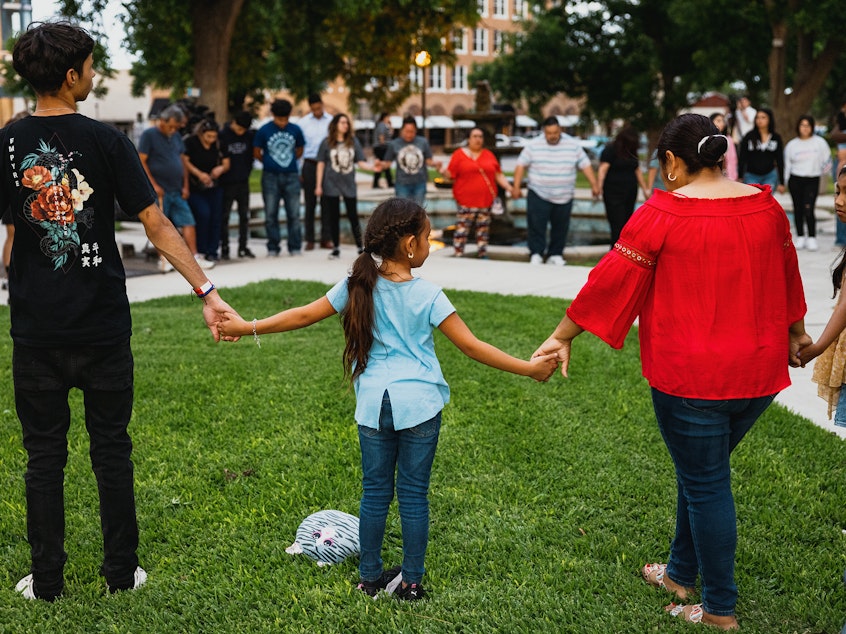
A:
{"points": [[810, 76], [213, 24]]}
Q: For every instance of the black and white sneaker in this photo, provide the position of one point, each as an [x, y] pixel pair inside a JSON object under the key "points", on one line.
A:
{"points": [[139, 578], [410, 592], [386, 579]]}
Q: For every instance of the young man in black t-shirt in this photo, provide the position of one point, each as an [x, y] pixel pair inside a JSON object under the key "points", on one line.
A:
{"points": [[61, 173], [236, 141]]}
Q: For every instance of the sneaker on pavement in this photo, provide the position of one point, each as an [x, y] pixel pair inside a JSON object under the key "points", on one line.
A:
{"points": [[811, 244], [557, 260], [388, 577], [411, 592], [164, 265], [799, 242], [26, 589], [536, 258], [139, 578], [203, 262], [335, 254], [246, 253]]}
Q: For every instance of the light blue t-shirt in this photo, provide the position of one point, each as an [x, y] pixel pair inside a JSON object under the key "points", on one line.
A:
{"points": [[279, 147], [402, 358]]}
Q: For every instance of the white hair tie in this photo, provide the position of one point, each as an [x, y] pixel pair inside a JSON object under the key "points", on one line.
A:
{"points": [[705, 138]]}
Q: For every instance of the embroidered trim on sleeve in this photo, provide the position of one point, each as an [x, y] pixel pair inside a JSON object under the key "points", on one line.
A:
{"points": [[634, 256]]}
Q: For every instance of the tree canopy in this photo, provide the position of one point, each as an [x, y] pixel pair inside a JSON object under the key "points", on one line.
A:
{"points": [[230, 49], [642, 60]]}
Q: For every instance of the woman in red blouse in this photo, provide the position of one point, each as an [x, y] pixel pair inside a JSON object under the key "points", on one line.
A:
{"points": [[709, 269], [475, 173]]}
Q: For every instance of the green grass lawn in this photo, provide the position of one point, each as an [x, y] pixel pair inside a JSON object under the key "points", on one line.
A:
{"points": [[546, 498]]}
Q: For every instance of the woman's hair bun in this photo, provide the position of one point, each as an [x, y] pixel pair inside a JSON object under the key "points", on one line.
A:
{"points": [[711, 149]]}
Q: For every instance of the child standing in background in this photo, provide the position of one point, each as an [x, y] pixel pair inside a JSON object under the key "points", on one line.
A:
{"points": [[388, 317], [830, 368]]}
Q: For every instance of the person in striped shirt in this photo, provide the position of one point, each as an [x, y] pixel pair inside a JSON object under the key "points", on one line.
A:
{"points": [[552, 161]]}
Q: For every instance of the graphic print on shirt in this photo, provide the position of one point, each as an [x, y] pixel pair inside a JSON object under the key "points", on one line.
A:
{"points": [[280, 146], [410, 159], [57, 203], [342, 159]]}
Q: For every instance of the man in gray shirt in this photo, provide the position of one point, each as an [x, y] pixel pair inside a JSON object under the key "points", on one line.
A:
{"points": [[412, 154]]}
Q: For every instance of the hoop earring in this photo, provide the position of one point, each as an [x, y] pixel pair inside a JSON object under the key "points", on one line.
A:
{"points": [[410, 256], [671, 178]]}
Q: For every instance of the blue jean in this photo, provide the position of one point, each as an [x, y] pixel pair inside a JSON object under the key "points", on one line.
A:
{"points": [[539, 214], [770, 178], [42, 378], [700, 435], [408, 453], [413, 191], [207, 207], [275, 187], [840, 235]]}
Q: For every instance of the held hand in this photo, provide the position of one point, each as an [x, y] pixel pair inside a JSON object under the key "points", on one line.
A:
{"points": [[515, 192], [318, 191], [561, 349], [214, 310], [780, 189], [217, 172], [799, 345], [543, 367], [186, 191], [807, 354], [206, 179], [231, 326]]}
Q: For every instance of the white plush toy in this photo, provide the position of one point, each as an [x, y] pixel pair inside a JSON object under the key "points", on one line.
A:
{"points": [[328, 537]]}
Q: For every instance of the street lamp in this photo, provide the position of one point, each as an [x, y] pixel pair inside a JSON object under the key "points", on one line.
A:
{"points": [[422, 60]]}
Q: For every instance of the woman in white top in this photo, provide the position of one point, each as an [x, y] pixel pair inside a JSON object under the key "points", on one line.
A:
{"points": [[806, 158]]}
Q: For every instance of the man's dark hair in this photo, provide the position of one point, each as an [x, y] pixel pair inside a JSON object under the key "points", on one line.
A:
{"points": [[314, 98], [281, 108], [550, 121], [47, 51], [243, 119], [409, 120]]}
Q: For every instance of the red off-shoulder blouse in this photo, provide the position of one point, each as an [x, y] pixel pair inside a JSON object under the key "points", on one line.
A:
{"points": [[715, 285]]}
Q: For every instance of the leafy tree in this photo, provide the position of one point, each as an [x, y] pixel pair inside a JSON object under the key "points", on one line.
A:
{"points": [[642, 60], [230, 49]]}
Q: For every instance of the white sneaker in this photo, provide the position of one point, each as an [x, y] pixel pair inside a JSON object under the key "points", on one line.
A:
{"points": [[799, 242], [139, 578], [557, 260], [811, 244], [203, 262], [25, 588], [164, 265], [536, 258]]}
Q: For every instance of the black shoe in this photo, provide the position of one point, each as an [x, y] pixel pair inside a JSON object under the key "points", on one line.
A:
{"points": [[336, 253], [224, 255], [411, 592], [245, 253], [372, 588]]}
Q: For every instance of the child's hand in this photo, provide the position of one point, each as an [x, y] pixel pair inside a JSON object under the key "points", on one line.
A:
{"points": [[809, 353], [232, 326], [542, 367]]}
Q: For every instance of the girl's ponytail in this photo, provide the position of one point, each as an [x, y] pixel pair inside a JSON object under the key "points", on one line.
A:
{"points": [[390, 222]]}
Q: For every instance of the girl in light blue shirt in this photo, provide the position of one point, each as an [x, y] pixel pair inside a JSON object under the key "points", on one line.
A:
{"points": [[388, 317]]}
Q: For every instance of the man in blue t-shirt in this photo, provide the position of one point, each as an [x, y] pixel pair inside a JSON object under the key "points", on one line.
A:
{"points": [[278, 144]]}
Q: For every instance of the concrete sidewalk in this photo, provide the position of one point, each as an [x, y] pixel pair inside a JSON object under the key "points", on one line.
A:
{"points": [[507, 277]]}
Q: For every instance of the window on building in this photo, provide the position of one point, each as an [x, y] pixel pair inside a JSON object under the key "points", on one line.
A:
{"points": [[459, 40], [416, 77], [520, 7], [498, 41], [500, 8], [437, 77], [459, 79], [483, 7], [480, 41]]}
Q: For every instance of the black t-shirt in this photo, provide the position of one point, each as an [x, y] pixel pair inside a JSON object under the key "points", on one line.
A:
{"points": [[622, 168], [61, 176], [203, 159], [239, 148]]}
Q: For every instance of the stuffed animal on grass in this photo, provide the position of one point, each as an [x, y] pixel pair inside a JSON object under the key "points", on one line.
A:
{"points": [[328, 537]]}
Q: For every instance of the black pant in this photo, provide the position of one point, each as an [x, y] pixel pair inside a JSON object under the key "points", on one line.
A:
{"points": [[379, 151], [332, 209], [238, 193], [309, 178], [43, 378], [803, 191], [619, 202]]}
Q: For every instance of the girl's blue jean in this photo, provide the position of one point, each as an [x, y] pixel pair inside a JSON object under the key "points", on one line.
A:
{"points": [[408, 453], [840, 412], [770, 178], [700, 435]]}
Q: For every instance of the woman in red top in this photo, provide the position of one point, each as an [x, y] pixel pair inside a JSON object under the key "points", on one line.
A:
{"points": [[475, 173], [710, 271]]}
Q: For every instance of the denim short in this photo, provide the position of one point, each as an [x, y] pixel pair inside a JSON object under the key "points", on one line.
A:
{"points": [[176, 208], [840, 413]]}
